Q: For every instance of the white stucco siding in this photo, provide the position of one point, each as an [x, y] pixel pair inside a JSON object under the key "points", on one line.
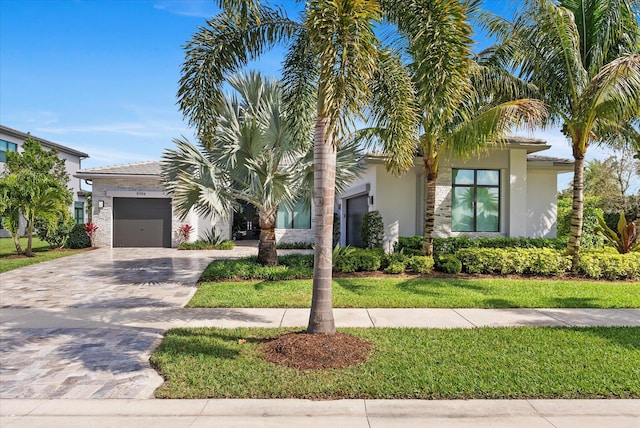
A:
{"points": [[365, 184], [541, 204], [395, 199]]}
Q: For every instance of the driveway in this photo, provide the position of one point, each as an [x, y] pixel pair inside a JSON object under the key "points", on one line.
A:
{"points": [[48, 347]]}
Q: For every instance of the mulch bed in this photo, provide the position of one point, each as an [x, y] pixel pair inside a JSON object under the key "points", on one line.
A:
{"points": [[304, 351]]}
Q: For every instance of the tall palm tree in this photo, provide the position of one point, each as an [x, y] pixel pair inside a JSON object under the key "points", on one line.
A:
{"points": [[252, 158], [463, 106], [333, 55], [583, 58]]}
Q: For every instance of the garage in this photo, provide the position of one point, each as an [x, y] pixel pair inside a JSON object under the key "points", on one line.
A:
{"points": [[142, 222]]}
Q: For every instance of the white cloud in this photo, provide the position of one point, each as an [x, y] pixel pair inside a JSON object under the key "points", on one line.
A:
{"points": [[194, 8]]}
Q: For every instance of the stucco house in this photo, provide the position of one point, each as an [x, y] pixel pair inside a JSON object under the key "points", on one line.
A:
{"points": [[11, 140], [518, 187]]}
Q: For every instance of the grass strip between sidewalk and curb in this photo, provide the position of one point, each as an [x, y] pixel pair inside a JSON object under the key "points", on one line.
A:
{"points": [[423, 292], [482, 363]]}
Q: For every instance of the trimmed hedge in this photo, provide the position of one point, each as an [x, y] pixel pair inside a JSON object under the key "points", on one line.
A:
{"points": [[529, 261], [448, 263], [78, 238], [412, 245], [358, 260], [609, 264], [248, 268], [204, 245]]}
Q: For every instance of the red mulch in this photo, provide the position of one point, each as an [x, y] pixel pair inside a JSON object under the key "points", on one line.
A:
{"points": [[306, 351]]}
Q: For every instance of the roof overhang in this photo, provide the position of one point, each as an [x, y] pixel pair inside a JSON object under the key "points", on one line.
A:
{"points": [[50, 144]]}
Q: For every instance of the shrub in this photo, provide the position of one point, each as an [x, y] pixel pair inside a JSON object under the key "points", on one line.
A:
{"points": [[184, 232], [609, 264], [297, 260], [357, 260], [211, 236], [248, 268], [294, 246], [91, 229], [623, 238], [78, 238], [395, 268], [412, 245], [533, 261], [204, 245], [54, 235], [420, 264], [448, 263], [372, 231], [389, 259], [591, 212], [409, 245]]}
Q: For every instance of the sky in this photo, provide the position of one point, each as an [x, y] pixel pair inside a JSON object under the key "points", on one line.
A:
{"points": [[101, 76]]}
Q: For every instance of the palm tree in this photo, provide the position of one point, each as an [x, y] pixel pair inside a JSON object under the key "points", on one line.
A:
{"points": [[251, 158], [582, 58], [463, 106], [333, 56]]}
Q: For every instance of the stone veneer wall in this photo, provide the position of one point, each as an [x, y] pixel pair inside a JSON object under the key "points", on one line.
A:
{"points": [[295, 235], [103, 217]]}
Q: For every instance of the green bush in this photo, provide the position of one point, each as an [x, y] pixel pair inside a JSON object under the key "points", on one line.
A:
{"points": [[420, 264], [357, 260], [205, 245], [448, 263], [54, 235], [395, 268], [294, 246], [409, 245], [531, 261], [391, 258], [372, 231], [412, 245], [297, 260], [591, 212], [607, 263], [248, 268], [78, 238]]}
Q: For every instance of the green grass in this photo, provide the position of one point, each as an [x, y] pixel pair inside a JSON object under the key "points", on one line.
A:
{"points": [[424, 292], [411, 363], [41, 249]]}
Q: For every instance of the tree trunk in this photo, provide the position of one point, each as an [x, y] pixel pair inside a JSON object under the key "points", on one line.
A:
{"points": [[430, 177], [29, 252], [575, 233], [267, 252], [324, 169]]}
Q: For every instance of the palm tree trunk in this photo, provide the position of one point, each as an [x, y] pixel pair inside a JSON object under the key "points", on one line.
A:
{"points": [[430, 177], [575, 232], [267, 252], [324, 170]]}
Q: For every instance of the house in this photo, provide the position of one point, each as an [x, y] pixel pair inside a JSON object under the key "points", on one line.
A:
{"points": [[508, 192], [131, 209], [11, 140]]}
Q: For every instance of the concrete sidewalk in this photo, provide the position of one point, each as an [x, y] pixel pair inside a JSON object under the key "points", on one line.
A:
{"points": [[310, 414], [165, 318]]}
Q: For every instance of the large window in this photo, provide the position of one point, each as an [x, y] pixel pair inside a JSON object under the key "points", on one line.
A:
{"points": [[78, 212], [299, 218], [5, 147], [475, 205]]}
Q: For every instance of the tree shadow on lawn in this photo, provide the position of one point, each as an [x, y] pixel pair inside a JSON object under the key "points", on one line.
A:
{"points": [[573, 302], [626, 337], [433, 286]]}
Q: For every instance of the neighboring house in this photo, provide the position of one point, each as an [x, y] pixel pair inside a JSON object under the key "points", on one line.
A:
{"points": [[11, 140], [131, 209], [508, 192]]}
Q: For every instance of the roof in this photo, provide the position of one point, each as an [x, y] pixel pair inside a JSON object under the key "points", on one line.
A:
{"points": [[539, 158], [50, 144], [149, 169]]}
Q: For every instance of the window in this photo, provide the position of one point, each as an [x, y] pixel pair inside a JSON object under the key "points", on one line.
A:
{"points": [[78, 212], [299, 218], [475, 205], [5, 147]]}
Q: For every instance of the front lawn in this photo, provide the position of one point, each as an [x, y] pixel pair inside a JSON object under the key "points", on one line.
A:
{"points": [[423, 292], [9, 260], [483, 363]]}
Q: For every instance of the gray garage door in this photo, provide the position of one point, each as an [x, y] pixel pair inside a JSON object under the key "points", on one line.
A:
{"points": [[141, 222]]}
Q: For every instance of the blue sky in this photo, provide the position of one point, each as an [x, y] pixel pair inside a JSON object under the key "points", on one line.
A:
{"points": [[101, 75]]}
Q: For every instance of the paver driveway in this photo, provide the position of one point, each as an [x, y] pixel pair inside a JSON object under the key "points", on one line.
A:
{"points": [[44, 353]]}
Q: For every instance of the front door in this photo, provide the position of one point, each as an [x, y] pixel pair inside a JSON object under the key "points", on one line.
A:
{"points": [[356, 209]]}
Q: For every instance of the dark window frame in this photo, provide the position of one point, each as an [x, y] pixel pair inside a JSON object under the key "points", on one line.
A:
{"points": [[475, 186]]}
